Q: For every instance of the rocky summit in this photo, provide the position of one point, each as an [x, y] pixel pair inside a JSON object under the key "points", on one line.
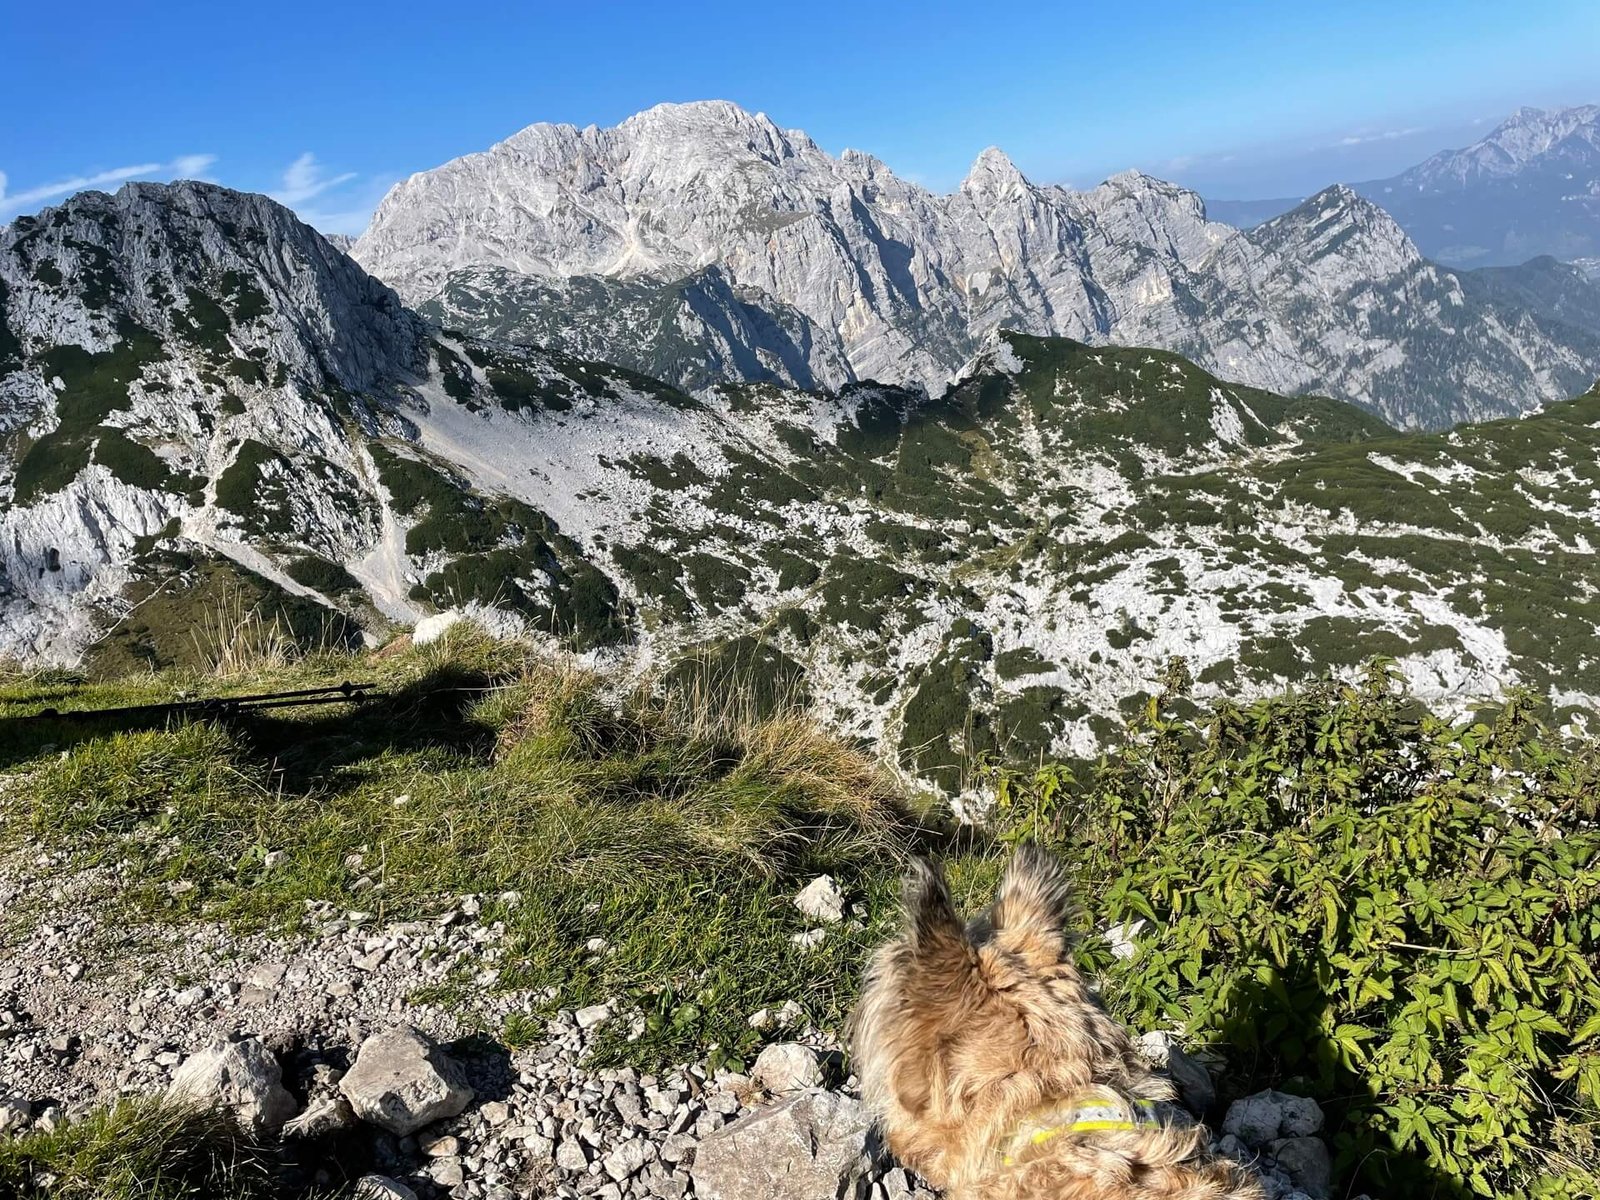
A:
{"points": [[695, 234]]}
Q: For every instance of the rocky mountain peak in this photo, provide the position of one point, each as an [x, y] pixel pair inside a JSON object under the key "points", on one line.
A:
{"points": [[1530, 131], [162, 256], [721, 124], [1520, 142], [993, 174], [1339, 223]]}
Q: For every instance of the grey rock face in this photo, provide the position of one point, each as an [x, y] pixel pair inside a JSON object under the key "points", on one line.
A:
{"points": [[401, 1081], [805, 1148], [241, 1076], [1332, 298], [695, 331]]}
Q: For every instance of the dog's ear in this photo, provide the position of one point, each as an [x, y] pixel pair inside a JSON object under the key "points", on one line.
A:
{"points": [[931, 921], [1031, 907]]}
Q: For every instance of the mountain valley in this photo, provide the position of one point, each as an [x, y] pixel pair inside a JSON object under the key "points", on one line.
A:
{"points": [[200, 393]]}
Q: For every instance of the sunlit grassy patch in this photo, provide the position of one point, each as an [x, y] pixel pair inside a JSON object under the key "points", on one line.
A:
{"points": [[676, 826]]}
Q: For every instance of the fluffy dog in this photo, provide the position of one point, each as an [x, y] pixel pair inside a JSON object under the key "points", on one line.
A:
{"points": [[995, 1075]]}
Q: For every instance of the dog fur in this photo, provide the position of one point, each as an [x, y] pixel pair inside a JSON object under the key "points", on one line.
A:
{"points": [[965, 1033]]}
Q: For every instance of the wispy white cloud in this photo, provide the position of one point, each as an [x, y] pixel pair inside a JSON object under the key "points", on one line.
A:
{"points": [[193, 166], [186, 166], [352, 211], [305, 179], [1386, 135]]}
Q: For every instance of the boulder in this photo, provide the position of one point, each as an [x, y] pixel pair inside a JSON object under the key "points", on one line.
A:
{"points": [[1266, 1116], [784, 1068], [243, 1077], [1305, 1160], [809, 1147], [402, 1081], [821, 900]]}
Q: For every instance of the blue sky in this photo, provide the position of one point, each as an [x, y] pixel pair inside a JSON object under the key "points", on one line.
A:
{"points": [[326, 104]]}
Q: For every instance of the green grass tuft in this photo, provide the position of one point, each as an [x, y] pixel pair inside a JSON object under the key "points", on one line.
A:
{"points": [[138, 1150]]}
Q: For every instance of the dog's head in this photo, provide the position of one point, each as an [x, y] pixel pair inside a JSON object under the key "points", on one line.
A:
{"points": [[963, 1030]]}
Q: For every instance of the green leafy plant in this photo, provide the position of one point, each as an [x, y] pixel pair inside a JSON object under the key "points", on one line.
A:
{"points": [[1355, 900]]}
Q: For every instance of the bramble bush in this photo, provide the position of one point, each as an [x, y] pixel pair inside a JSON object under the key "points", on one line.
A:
{"points": [[1352, 899]]}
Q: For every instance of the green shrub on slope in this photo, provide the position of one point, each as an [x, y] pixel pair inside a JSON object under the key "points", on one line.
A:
{"points": [[1396, 915]]}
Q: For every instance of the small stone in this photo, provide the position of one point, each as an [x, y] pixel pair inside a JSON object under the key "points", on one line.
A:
{"points": [[784, 1068], [495, 1112], [441, 1147], [189, 997], [789, 1014], [594, 1015], [447, 1172], [322, 1116], [623, 1162], [677, 1147], [810, 939], [1123, 938], [571, 1156], [821, 900]]}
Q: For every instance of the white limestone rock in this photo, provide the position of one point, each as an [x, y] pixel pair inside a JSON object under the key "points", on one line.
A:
{"points": [[784, 1068], [810, 1147], [821, 900], [241, 1076], [401, 1081]]}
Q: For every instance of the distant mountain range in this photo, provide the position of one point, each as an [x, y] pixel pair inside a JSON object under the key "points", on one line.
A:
{"points": [[1530, 188], [199, 392], [701, 242]]}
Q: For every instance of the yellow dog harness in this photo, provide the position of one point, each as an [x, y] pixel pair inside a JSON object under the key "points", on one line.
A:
{"points": [[1098, 1111]]}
